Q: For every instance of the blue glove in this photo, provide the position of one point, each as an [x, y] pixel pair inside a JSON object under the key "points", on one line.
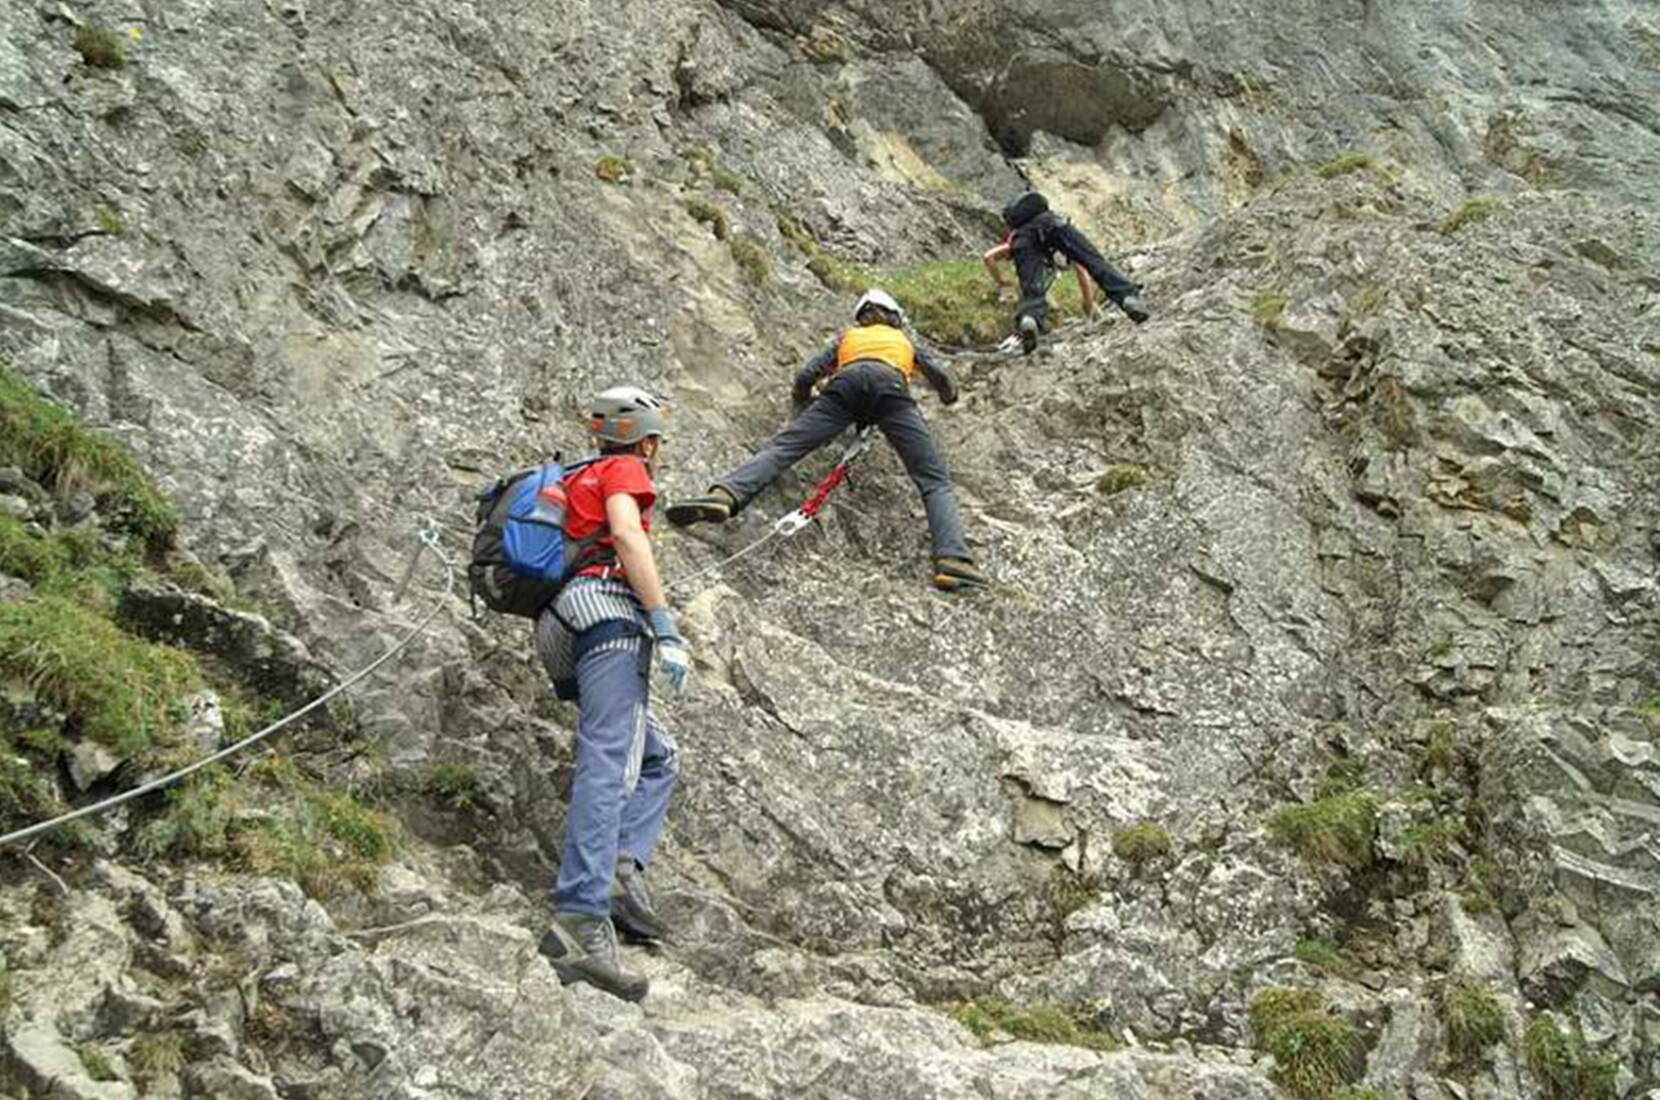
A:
{"points": [[674, 653]]}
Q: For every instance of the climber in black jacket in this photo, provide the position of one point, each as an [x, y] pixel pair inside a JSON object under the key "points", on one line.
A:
{"points": [[1035, 235]]}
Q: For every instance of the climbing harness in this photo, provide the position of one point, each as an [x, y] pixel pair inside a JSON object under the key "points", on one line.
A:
{"points": [[428, 539], [792, 522]]}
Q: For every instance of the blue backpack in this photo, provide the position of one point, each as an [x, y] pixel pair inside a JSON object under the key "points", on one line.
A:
{"points": [[521, 554]]}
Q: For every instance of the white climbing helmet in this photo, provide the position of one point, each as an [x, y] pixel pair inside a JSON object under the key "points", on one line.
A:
{"points": [[627, 414], [877, 298]]}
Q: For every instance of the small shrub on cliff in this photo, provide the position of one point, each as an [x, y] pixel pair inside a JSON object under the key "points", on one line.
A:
{"points": [[1473, 210], [95, 1062], [1474, 1019], [1314, 1049], [1042, 1023], [100, 46], [1336, 829], [1141, 844]]}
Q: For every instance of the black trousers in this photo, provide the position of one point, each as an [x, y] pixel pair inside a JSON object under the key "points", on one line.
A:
{"points": [[867, 392], [1031, 252]]}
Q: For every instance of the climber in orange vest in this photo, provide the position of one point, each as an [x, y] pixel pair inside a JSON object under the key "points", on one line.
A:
{"points": [[865, 376]]}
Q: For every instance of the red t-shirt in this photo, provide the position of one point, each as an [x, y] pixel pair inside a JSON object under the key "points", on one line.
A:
{"points": [[588, 490]]}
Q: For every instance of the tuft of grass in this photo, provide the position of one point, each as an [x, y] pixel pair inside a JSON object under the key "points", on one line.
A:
{"points": [[1563, 1067], [1440, 753], [726, 180], [1424, 842], [1342, 776], [1472, 211], [5, 990], [1315, 1050], [95, 1062], [612, 168], [709, 213], [751, 257], [109, 222], [1119, 477], [455, 784], [1474, 1019], [49, 447], [156, 1054], [1321, 955], [1041, 1023], [1343, 165], [1336, 829], [100, 46], [1140, 844], [116, 689], [1066, 893], [1267, 307]]}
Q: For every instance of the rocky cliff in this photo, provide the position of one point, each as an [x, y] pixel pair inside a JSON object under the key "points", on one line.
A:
{"points": [[1314, 707]]}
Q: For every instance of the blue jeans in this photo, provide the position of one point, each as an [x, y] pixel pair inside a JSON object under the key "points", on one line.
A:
{"points": [[626, 769]]}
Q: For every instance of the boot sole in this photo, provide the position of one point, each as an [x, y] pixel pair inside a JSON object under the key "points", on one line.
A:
{"points": [[684, 515], [569, 974]]}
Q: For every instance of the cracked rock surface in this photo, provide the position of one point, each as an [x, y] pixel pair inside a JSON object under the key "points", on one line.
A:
{"points": [[325, 267]]}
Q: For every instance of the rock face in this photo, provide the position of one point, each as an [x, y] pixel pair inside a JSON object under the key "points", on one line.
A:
{"points": [[327, 266]]}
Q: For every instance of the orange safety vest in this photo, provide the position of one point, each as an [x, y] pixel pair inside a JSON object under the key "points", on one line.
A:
{"points": [[877, 342]]}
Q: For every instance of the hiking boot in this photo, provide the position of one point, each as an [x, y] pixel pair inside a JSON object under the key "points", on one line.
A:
{"points": [[957, 574], [583, 948], [1134, 308], [716, 507], [1028, 334], [631, 908]]}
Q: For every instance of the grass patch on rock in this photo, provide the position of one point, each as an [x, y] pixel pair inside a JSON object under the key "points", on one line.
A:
{"points": [[275, 820], [1474, 1019], [1563, 1066], [50, 448], [751, 257], [100, 46], [950, 303], [1040, 1023], [612, 168], [156, 1054], [456, 785], [1343, 165], [1337, 829], [1471, 211], [1141, 844], [1267, 307], [1119, 477], [115, 689], [709, 213], [1315, 1050], [1322, 956]]}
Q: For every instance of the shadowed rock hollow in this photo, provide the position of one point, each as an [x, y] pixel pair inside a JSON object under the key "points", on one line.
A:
{"points": [[1369, 506]]}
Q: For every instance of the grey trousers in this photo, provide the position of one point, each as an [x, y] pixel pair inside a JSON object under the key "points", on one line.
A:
{"points": [[862, 393]]}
